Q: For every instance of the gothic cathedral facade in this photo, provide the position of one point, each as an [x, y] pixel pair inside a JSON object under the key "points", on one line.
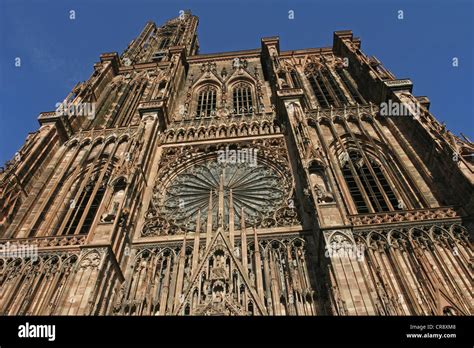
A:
{"points": [[256, 182]]}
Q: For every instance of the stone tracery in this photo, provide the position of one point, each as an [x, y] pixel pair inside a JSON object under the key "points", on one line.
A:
{"points": [[258, 187]]}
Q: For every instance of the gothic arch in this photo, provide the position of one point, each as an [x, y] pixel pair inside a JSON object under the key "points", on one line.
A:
{"points": [[71, 143], [377, 241], [367, 117], [98, 141], [208, 77], [170, 135], [419, 237], [112, 138], [212, 132], [243, 97], [368, 178], [86, 141], [122, 178], [395, 236], [190, 134], [123, 137], [210, 101], [222, 131], [181, 134], [236, 79], [151, 251], [201, 133]]}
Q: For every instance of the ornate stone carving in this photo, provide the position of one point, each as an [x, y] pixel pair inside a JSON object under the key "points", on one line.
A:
{"points": [[168, 211], [404, 216]]}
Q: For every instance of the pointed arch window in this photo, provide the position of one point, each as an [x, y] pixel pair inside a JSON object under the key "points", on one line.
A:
{"points": [[368, 186], [326, 89], [242, 99], [295, 79], [336, 88], [84, 208], [346, 79], [207, 102], [320, 90], [164, 42]]}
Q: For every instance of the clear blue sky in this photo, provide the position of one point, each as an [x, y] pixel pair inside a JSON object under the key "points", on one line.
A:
{"points": [[57, 52]]}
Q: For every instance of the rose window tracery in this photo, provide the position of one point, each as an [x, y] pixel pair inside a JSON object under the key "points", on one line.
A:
{"points": [[258, 190]]}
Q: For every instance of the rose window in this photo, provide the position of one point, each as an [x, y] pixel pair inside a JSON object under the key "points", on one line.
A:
{"points": [[257, 191]]}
